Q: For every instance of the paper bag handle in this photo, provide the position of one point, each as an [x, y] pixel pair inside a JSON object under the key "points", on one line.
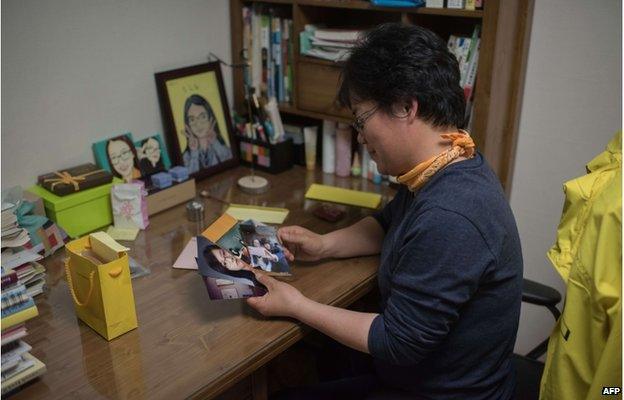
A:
{"points": [[71, 285]]}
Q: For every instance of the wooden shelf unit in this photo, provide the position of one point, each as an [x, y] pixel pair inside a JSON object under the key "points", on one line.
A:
{"points": [[505, 33]]}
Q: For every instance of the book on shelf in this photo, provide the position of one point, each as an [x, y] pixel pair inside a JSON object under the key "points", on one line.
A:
{"points": [[330, 44], [471, 75], [267, 41], [323, 54], [256, 48], [434, 4], [466, 50], [456, 4], [338, 35], [247, 53], [277, 88], [287, 55], [327, 44], [265, 49]]}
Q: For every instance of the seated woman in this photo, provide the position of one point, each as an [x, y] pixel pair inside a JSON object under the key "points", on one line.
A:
{"points": [[450, 273]]}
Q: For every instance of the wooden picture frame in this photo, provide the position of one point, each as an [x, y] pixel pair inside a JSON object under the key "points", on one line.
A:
{"points": [[196, 118]]}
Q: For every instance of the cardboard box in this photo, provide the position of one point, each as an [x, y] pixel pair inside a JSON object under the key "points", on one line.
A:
{"points": [[81, 212], [171, 196]]}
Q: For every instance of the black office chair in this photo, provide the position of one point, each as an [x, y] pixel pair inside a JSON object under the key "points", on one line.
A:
{"points": [[529, 370]]}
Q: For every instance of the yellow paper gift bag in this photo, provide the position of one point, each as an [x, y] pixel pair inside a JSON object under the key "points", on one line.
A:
{"points": [[98, 276]]}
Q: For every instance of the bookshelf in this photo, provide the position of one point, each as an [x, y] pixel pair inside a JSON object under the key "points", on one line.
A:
{"points": [[505, 30]]}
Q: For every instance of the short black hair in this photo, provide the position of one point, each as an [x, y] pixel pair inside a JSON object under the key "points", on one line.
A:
{"points": [[394, 64]]}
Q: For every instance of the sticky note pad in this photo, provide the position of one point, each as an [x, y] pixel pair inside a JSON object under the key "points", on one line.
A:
{"points": [[268, 215], [105, 246], [343, 196], [127, 234], [220, 227]]}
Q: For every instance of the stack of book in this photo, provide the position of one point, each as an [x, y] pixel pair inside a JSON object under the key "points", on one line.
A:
{"points": [[268, 46], [32, 275], [466, 50], [18, 365], [327, 44], [13, 235]]}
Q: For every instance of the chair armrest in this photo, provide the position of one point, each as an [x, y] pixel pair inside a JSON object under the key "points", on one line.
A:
{"points": [[542, 295]]}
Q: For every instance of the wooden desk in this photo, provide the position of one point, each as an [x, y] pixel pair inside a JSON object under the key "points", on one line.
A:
{"points": [[185, 345]]}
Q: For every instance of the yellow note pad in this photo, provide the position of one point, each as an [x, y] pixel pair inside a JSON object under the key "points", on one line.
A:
{"points": [[105, 246], [128, 234], [269, 215], [343, 196]]}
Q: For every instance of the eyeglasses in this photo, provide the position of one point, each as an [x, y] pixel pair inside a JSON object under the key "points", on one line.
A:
{"points": [[152, 150], [124, 156], [202, 117], [360, 120]]}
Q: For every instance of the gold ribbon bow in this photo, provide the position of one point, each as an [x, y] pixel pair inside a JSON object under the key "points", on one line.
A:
{"points": [[66, 178]]}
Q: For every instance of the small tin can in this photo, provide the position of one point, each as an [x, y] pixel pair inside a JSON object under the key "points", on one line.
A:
{"points": [[195, 211]]}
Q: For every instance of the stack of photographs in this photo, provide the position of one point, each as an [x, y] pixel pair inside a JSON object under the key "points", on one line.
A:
{"points": [[252, 241], [228, 252], [225, 275]]}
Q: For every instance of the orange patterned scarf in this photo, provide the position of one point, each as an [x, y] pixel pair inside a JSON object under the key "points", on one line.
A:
{"points": [[462, 145]]}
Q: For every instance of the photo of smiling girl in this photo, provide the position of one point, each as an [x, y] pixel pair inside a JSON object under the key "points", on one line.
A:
{"points": [[122, 158]]}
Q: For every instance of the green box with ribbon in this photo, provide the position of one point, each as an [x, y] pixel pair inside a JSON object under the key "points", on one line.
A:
{"points": [[79, 213]]}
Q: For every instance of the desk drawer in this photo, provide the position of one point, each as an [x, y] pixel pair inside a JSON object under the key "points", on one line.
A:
{"points": [[318, 86]]}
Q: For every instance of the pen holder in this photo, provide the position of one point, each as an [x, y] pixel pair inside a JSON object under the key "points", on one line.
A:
{"points": [[273, 158]]}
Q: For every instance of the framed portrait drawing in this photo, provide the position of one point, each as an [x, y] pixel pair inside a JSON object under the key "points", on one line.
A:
{"points": [[152, 154], [119, 156], [197, 120]]}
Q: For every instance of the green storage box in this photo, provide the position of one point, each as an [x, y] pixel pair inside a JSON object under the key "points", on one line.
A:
{"points": [[81, 212]]}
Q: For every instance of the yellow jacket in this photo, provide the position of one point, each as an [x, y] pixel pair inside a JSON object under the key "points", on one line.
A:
{"points": [[584, 350]]}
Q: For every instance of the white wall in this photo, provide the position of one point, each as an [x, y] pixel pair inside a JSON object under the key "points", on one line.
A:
{"points": [[75, 71], [571, 109]]}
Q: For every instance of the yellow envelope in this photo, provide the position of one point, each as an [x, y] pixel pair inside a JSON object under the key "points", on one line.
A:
{"points": [[343, 196]]}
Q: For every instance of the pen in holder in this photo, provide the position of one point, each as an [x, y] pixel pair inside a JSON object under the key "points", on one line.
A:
{"points": [[250, 183]]}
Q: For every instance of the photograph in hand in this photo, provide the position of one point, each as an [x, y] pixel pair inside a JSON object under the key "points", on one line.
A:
{"points": [[225, 275], [253, 242]]}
